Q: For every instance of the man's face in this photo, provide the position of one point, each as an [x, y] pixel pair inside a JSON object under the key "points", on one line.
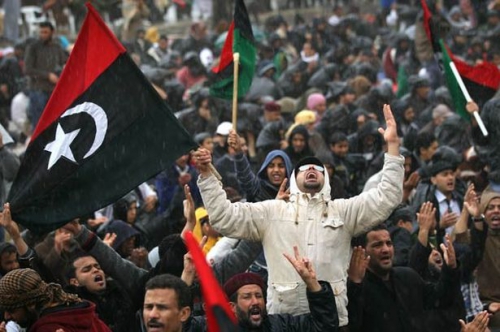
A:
{"points": [[24, 316], [163, 44], [423, 92], [492, 214], [132, 212], [298, 143], [208, 143], [409, 114], [88, 274], [407, 166], [444, 181], [310, 180], [251, 306], [427, 153], [127, 246], [436, 259], [381, 251], [45, 34], [273, 116], [161, 312], [340, 149], [276, 171], [8, 262]]}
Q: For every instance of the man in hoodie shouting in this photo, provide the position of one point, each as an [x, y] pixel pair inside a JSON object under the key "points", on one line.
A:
{"points": [[321, 228]]}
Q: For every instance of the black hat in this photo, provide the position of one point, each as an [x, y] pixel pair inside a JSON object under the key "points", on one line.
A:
{"points": [[439, 166], [307, 161]]}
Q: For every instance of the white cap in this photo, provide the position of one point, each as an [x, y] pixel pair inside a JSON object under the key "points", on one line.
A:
{"points": [[224, 128]]}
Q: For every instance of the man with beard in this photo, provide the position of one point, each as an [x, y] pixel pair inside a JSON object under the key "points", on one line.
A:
{"points": [[309, 219], [33, 304], [246, 291], [489, 269], [387, 298]]}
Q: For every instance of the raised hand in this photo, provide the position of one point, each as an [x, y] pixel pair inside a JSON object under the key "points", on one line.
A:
{"points": [[390, 133], [479, 324], [449, 252], [203, 159], [283, 192], [471, 201], [234, 141], [109, 239], [7, 222], [304, 268], [426, 217], [189, 206], [358, 265], [73, 227]]}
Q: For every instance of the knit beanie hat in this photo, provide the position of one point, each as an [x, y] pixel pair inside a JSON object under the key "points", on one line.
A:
{"points": [[242, 279], [314, 100]]}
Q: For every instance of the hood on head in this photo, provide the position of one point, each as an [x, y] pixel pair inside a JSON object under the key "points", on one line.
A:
{"points": [[270, 156], [294, 189]]}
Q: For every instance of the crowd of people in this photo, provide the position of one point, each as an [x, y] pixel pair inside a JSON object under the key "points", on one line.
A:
{"points": [[350, 196]]}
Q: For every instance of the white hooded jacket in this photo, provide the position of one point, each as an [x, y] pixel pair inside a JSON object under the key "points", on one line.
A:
{"points": [[321, 229]]}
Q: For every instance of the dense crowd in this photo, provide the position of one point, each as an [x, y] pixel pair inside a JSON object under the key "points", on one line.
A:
{"points": [[353, 194]]}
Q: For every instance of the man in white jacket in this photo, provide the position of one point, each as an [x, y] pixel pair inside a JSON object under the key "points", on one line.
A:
{"points": [[321, 228]]}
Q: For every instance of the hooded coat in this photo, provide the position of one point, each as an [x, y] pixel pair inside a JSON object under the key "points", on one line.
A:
{"points": [[257, 187], [322, 230], [295, 157]]}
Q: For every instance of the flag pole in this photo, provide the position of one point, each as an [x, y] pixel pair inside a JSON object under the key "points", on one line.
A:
{"points": [[236, 61], [468, 98]]}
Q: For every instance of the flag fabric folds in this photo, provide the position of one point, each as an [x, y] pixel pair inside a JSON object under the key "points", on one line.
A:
{"points": [[481, 81], [220, 317], [240, 40], [103, 132]]}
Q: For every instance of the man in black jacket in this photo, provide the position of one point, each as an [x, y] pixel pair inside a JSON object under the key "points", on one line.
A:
{"points": [[246, 291], [391, 298]]}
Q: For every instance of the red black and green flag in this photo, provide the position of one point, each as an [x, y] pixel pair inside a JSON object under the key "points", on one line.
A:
{"points": [[240, 40], [104, 131], [220, 317], [481, 81]]}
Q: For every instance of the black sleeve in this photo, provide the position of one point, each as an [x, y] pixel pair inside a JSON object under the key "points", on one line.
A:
{"points": [[355, 306], [471, 259], [323, 316], [419, 258], [443, 293]]}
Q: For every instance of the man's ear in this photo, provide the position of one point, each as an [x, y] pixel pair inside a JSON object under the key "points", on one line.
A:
{"points": [[233, 306], [185, 313], [74, 282], [433, 180]]}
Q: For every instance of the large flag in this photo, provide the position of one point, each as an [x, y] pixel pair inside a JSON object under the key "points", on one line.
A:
{"points": [[104, 131], [240, 40], [481, 81], [220, 317]]}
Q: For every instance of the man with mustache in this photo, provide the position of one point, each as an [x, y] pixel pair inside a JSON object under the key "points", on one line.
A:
{"points": [[246, 292], [320, 227], [387, 298]]}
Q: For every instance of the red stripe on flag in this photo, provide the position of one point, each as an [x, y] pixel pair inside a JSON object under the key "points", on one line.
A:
{"points": [[86, 62], [485, 73], [226, 57], [213, 295], [427, 19]]}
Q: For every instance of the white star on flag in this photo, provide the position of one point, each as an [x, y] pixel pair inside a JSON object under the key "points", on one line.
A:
{"points": [[60, 146]]}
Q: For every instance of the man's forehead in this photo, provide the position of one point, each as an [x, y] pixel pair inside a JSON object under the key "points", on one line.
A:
{"points": [[248, 289]]}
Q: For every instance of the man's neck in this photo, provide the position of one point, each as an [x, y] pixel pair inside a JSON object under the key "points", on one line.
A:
{"points": [[385, 275]]}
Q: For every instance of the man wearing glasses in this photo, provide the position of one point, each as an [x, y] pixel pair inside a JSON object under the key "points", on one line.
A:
{"points": [[321, 228]]}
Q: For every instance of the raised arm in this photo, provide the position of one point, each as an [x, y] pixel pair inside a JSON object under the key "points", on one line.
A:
{"points": [[249, 183], [374, 206], [236, 220]]}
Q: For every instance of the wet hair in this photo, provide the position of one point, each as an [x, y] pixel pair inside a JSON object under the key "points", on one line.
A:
{"points": [[47, 24], [338, 137], [362, 239], [424, 140], [168, 281]]}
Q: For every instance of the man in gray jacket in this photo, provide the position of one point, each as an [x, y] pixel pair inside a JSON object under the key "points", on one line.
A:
{"points": [[321, 228]]}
